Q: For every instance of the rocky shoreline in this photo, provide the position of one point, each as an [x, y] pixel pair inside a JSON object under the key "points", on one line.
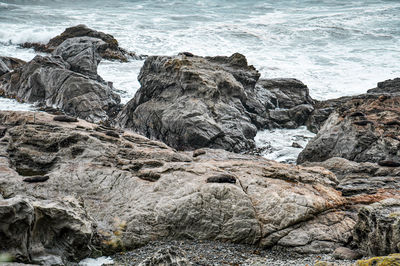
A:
{"points": [[80, 181]]}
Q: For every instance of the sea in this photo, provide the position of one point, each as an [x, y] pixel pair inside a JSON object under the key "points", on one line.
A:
{"points": [[336, 47]]}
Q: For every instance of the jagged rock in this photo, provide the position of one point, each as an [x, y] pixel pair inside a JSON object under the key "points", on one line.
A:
{"points": [[367, 138], [51, 82], [363, 183], [191, 102], [110, 50], [166, 257], [82, 54], [3, 68], [62, 231], [9, 63], [286, 93], [323, 109], [44, 231], [16, 218], [387, 86], [271, 204], [377, 231]]}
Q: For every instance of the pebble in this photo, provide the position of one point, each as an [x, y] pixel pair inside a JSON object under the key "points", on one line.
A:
{"points": [[217, 253]]}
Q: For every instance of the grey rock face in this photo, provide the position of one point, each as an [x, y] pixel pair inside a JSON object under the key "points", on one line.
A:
{"points": [[82, 54], [362, 129], [51, 82], [3, 68], [110, 49], [44, 231], [16, 218], [322, 109], [377, 231], [387, 86], [191, 102], [9, 63], [270, 204], [286, 93]]}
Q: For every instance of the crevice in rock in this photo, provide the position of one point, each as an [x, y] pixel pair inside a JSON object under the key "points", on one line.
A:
{"points": [[257, 241]]}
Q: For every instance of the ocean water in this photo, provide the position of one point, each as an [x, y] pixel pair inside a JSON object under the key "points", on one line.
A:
{"points": [[336, 47]]}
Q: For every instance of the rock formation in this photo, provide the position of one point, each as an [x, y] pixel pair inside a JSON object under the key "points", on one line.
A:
{"points": [[110, 50], [191, 102], [137, 190], [67, 80], [43, 231], [363, 129]]}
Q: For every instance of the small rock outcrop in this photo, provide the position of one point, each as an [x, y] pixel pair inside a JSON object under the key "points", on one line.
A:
{"points": [[9, 63], [362, 129], [67, 80], [82, 54], [16, 217], [44, 231], [322, 109], [363, 182], [191, 102], [377, 231], [110, 49]]}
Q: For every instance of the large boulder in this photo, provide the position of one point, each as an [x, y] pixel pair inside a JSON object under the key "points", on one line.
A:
{"points": [[377, 231], [67, 80], [191, 102], [44, 231], [110, 50], [363, 129], [138, 190]]}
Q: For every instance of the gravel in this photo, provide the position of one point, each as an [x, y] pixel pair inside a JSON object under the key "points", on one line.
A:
{"points": [[217, 253]]}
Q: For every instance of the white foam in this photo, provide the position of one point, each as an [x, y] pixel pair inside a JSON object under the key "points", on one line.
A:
{"points": [[13, 105], [278, 143], [22, 34], [124, 76]]}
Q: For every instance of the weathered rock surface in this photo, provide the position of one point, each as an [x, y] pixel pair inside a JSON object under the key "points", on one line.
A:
{"points": [[68, 82], [362, 129], [363, 182], [191, 102], [43, 231], [110, 50], [9, 63], [377, 231], [16, 218], [271, 204], [322, 109], [82, 54]]}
